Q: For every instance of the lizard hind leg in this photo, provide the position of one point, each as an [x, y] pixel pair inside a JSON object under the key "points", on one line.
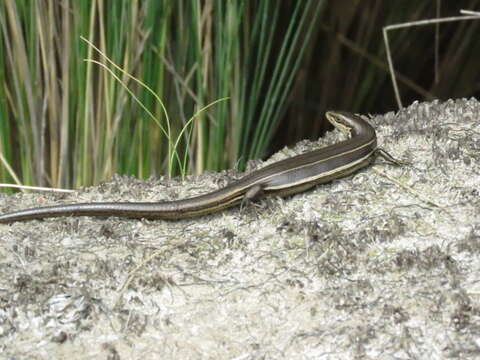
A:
{"points": [[253, 193]]}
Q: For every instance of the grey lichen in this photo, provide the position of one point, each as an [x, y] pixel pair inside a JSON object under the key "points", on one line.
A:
{"points": [[382, 263]]}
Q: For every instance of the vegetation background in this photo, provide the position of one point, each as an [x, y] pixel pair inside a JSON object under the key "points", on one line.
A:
{"points": [[66, 122]]}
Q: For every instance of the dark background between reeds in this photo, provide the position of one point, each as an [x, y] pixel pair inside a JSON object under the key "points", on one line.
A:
{"points": [[66, 122]]}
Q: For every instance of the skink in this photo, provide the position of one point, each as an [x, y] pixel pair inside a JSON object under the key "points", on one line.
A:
{"points": [[286, 177]]}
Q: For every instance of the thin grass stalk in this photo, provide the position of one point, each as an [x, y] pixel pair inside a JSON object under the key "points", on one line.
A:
{"points": [[264, 27], [21, 97], [273, 88], [202, 52], [290, 70], [6, 134], [281, 83]]}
